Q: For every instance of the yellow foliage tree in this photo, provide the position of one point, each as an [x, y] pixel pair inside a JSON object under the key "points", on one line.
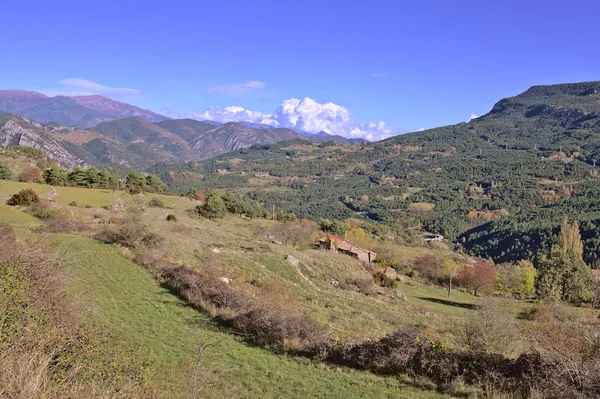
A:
{"points": [[359, 236], [449, 270]]}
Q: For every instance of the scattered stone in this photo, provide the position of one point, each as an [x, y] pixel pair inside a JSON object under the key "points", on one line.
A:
{"points": [[292, 261], [215, 250], [399, 294], [52, 194], [391, 273], [334, 282], [295, 264], [225, 280]]}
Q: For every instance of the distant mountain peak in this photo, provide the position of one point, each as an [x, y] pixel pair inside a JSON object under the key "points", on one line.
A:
{"points": [[79, 111]]}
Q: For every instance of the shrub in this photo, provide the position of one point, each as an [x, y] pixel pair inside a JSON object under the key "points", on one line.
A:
{"points": [[265, 322], [427, 266], [72, 203], [129, 232], [42, 210], [490, 329], [31, 173], [171, 217], [87, 206], [383, 280], [25, 197], [156, 203], [5, 171], [363, 285]]}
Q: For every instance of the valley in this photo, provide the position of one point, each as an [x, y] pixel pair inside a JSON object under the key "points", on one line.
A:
{"points": [[218, 264]]}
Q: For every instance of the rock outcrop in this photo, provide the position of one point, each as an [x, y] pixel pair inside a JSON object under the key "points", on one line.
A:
{"points": [[20, 131]]}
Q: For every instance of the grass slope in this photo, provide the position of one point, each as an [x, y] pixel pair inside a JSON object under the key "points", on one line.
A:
{"points": [[118, 295], [123, 296]]}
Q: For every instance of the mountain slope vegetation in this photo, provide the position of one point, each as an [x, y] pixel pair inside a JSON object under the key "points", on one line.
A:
{"points": [[499, 186]]}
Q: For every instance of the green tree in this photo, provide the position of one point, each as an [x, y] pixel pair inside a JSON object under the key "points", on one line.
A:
{"points": [[526, 273], [156, 183], [214, 206], [563, 275], [103, 178], [5, 171], [78, 177], [56, 176], [135, 182], [517, 279], [234, 204], [93, 177]]}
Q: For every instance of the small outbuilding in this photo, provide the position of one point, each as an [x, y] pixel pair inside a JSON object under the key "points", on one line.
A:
{"points": [[339, 244]]}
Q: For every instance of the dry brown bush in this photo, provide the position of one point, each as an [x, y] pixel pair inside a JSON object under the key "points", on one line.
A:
{"points": [[57, 220], [129, 231], [266, 321], [31, 173], [421, 207], [489, 328], [295, 233], [24, 197], [363, 285]]}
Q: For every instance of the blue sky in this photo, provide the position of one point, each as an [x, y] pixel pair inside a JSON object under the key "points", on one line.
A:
{"points": [[413, 64]]}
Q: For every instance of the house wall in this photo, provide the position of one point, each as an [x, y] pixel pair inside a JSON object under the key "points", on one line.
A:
{"points": [[365, 257]]}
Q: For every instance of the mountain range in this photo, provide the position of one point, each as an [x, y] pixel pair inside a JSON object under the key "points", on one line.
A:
{"points": [[95, 130], [78, 111]]}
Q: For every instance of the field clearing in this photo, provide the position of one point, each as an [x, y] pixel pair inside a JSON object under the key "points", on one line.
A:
{"points": [[348, 314], [411, 191], [79, 136]]}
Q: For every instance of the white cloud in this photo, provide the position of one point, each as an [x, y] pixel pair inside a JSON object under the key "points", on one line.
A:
{"points": [[473, 116], [306, 114], [236, 90], [379, 75], [84, 87], [421, 129]]}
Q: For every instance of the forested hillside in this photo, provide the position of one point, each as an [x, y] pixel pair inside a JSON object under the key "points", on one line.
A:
{"points": [[499, 186]]}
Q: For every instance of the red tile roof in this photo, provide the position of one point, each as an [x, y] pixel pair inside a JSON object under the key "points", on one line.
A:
{"points": [[345, 245]]}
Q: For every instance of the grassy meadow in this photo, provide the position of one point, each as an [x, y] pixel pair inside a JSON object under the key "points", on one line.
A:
{"points": [[119, 296]]}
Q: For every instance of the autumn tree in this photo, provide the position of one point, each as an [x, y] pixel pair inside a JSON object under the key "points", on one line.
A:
{"points": [[359, 236], [31, 173], [449, 270], [517, 279], [480, 277], [294, 232]]}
